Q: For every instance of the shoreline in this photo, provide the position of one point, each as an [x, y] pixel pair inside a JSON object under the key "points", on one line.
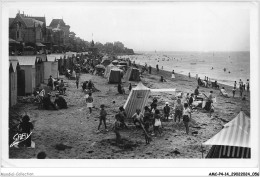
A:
{"points": [[204, 64], [168, 74]]}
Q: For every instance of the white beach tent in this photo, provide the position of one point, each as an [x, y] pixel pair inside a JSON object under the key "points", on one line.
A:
{"points": [[233, 141], [138, 98]]}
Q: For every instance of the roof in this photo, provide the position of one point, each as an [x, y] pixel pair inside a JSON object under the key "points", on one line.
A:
{"points": [[30, 22], [42, 19], [54, 57], [234, 133], [26, 60], [55, 22], [41, 57], [140, 86], [69, 54]]}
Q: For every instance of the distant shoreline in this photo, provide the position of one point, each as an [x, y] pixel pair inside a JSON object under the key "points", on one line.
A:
{"points": [[167, 75]]}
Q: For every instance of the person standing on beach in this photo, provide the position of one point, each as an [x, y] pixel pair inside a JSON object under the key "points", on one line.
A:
{"points": [[150, 69], [186, 117], [178, 110], [209, 101], [241, 90], [235, 84], [173, 74], [89, 101], [157, 123], [123, 116], [50, 82], [247, 85], [116, 128], [189, 75], [240, 83], [130, 87], [157, 68], [234, 91], [166, 111], [102, 117]]}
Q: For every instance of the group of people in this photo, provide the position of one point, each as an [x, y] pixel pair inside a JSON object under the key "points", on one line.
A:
{"points": [[56, 85], [242, 87], [54, 102]]}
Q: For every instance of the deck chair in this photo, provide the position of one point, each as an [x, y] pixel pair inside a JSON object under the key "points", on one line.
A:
{"points": [[225, 94]]}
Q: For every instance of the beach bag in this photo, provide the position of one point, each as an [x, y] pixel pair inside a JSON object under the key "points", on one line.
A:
{"points": [[157, 122]]}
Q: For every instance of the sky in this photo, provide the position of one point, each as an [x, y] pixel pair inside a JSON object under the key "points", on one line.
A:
{"points": [[149, 26]]}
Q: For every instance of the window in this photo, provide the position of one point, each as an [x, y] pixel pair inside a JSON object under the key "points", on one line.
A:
{"points": [[17, 35]]}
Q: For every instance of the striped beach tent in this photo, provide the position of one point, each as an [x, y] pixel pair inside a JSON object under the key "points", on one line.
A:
{"points": [[233, 141], [137, 98]]}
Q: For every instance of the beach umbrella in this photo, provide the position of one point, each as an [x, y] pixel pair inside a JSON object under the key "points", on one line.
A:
{"points": [[11, 41], [115, 62]]}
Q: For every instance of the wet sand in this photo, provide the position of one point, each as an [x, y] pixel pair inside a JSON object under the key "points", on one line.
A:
{"points": [[75, 128]]}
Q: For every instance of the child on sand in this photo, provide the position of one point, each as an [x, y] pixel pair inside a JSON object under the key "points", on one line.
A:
{"points": [[116, 128], [89, 101], [138, 117], [102, 117], [234, 91], [186, 117], [157, 122]]}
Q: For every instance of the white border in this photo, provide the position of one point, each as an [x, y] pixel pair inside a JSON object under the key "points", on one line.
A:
{"points": [[197, 166]]}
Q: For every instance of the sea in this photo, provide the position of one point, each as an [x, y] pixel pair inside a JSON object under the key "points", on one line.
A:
{"points": [[225, 67]]}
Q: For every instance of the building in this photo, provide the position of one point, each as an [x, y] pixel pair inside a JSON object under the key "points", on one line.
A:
{"points": [[61, 33], [29, 31]]}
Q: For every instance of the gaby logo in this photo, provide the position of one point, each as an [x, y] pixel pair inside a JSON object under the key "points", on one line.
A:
{"points": [[18, 138]]}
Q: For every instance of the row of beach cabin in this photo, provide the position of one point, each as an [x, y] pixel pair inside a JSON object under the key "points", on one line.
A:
{"points": [[29, 72]]}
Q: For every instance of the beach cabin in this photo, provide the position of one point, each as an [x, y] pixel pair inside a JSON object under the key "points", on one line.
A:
{"points": [[13, 69], [50, 68], [115, 76], [54, 64], [40, 59], [27, 63]]}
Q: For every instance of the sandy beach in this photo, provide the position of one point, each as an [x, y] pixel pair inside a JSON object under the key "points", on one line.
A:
{"points": [[74, 128]]}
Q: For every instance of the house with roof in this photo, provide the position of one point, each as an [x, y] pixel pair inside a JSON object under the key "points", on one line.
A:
{"points": [[29, 31], [61, 33]]}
